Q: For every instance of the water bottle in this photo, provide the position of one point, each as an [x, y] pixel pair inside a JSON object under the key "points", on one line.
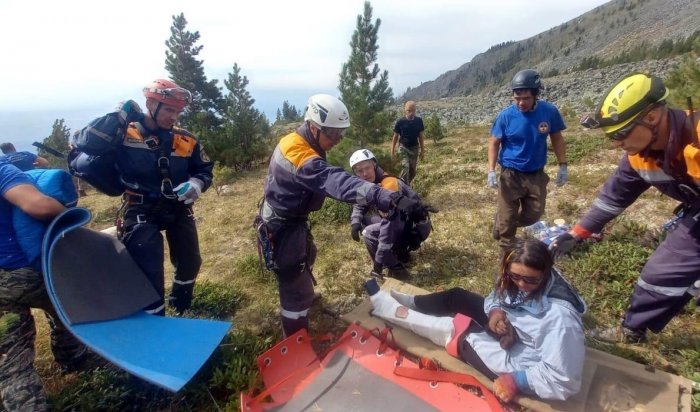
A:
{"points": [[535, 230]]}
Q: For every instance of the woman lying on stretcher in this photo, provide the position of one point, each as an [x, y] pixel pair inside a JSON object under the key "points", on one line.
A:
{"points": [[526, 334]]}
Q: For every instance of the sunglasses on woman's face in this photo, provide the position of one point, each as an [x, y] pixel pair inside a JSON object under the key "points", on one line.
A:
{"points": [[530, 280]]}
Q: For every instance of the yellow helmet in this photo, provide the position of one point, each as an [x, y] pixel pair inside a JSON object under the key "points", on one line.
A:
{"points": [[627, 99]]}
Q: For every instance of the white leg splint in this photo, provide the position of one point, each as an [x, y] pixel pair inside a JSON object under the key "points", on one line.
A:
{"points": [[439, 329]]}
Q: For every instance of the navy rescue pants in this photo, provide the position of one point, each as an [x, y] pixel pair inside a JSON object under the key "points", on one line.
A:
{"points": [[143, 239], [661, 291], [293, 257]]}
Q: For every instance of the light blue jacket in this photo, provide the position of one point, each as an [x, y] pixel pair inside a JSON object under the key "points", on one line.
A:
{"points": [[550, 351]]}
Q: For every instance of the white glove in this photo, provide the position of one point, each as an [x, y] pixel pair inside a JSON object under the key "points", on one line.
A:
{"points": [[491, 180], [189, 191], [562, 175]]}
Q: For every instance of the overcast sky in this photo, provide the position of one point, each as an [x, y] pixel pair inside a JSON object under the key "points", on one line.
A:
{"points": [[77, 59]]}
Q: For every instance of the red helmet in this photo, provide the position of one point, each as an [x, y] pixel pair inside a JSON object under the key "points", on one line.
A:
{"points": [[168, 92]]}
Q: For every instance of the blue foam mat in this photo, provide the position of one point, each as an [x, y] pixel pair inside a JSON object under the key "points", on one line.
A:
{"points": [[164, 351]]}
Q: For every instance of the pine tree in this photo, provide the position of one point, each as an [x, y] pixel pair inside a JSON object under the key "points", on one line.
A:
{"points": [[364, 90], [289, 112], [59, 140], [245, 129], [434, 129], [188, 72], [684, 82]]}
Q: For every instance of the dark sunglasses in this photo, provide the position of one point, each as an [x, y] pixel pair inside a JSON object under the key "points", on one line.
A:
{"points": [[624, 132], [334, 133], [527, 279]]}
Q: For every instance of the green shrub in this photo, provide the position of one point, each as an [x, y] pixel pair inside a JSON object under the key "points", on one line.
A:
{"points": [[223, 175], [433, 128], [332, 211], [580, 147]]}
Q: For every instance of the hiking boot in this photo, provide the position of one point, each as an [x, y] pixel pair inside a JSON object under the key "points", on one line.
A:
{"points": [[87, 360], [403, 255], [377, 270], [399, 272], [620, 334]]}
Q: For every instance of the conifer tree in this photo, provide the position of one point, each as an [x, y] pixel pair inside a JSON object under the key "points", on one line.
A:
{"points": [[684, 82], [290, 112], [187, 71], [434, 129], [245, 129], [59, 140], [364, 90]]}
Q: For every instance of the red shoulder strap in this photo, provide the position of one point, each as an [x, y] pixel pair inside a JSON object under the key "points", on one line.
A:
{"points": [[452, 377]]}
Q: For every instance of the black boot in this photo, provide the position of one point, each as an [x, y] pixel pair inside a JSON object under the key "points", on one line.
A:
{"points": [[399, 272]]}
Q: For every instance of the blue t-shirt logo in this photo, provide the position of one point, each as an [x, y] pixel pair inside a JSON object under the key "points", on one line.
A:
{"points": [[543, 128]]}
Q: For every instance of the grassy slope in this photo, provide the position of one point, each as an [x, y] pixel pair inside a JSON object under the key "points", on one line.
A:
{"points": [[460, 252]]}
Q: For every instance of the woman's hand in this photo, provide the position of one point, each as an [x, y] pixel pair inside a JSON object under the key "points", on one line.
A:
{"points": [[500, 326], [498, 322]]}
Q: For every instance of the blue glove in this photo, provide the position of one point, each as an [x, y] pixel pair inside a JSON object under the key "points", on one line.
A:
{"points": [[189, 191], [129, 111], [491, 180], [562, 175]]}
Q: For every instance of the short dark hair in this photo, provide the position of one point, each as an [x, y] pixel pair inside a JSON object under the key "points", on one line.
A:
{"points": [[7, 148]]}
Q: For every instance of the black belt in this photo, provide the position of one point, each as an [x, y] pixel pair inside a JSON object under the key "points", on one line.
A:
{"points": [[134, 198]]}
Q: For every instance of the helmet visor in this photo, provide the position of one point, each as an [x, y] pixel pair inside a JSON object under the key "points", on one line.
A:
{"points": [[333, 133]]}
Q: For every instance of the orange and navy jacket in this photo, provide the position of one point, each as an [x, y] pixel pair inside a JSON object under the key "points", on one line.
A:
{"points": [[137, 159], [637, 173], [299, 179], [387, 182]]}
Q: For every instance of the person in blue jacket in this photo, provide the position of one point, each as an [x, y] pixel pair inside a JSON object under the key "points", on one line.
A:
{"points": [[164, 169], [527, 334], [518, 143], [389, 238], [21, 289], [22, 160], [298, 181]]}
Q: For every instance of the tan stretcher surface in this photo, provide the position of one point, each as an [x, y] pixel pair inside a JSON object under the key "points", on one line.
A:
{"points": [[610, 383]]}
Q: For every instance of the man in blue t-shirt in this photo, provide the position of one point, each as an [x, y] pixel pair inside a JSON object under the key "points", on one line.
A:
{"points": [[519, 143], [22, 288], [22, 160], [408, 132]]}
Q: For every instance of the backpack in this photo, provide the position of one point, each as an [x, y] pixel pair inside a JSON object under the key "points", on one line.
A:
{"points": [[93, 157]]}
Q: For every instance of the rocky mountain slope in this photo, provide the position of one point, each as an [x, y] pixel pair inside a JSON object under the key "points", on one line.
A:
{"points": [[605, 32], [575, 93]]}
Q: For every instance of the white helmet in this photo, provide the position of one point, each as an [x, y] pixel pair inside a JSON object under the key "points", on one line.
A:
{"points": [[327, 111], [360, 156]]}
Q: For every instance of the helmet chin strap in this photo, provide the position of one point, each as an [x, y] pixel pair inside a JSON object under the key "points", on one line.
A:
{"points": [[317, 135], [154, 116]]}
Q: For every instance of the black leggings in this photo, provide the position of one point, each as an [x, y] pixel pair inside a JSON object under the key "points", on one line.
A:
{"points": [[451, 302]]}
